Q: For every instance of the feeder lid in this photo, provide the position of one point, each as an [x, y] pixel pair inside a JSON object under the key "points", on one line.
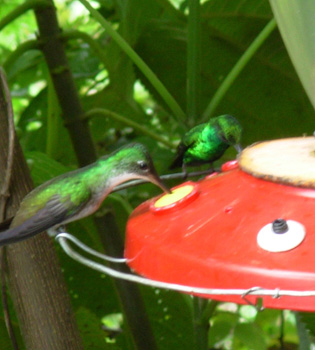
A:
{"points": [[288, 161]]}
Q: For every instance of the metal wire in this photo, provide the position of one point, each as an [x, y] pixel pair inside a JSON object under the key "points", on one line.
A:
{"points": [[89, 250], [276, 293]]}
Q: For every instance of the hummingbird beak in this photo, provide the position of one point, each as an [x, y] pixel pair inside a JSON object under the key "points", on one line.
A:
{"points": [[238, 148], [154, 178]]}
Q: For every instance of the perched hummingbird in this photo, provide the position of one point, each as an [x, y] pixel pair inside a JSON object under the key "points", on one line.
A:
{"points": [[79, 193], [207, 142]]}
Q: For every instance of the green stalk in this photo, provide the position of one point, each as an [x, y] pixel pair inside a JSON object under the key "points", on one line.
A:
{"points": [[137, 60], [20, 10], [94, 45], [237, 69], [202, 312], [129, 122], [201, 324], [303, 333], [193, 59], [209, 310]]}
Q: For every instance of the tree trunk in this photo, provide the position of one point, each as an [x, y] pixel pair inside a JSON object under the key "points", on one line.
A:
{"points": [[35, 280]]}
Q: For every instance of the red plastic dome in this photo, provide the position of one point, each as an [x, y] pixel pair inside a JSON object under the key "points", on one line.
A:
{"points": [[210, 239]]}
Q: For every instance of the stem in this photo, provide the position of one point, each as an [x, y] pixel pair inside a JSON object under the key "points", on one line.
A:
{"points": [[20, 10], [138, 61], [237, 69], [53, 121], [94, 45], [133, 124], [193, 59], [209, 310], [304, 337], [281, 335], [201, 327]]}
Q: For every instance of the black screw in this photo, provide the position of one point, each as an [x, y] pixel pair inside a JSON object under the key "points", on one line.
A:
{"points": [[279, 226]]}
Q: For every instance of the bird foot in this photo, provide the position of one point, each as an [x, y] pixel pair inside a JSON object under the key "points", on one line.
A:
{"points": [[185, 173], [54, 231]]}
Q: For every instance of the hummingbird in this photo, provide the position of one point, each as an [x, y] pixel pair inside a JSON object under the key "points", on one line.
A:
{"points": [[207, 142], [79, 193]]}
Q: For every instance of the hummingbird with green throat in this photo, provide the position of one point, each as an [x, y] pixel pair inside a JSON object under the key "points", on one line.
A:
{"points": [[79, 193], [207, 142]]}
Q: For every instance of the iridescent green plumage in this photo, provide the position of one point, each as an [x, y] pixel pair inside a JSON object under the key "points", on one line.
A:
{"points": [[207, 142], [79, 193]]}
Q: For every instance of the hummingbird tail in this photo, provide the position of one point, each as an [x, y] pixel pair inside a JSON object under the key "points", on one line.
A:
{"points": [[41, 221], [15, 234]]}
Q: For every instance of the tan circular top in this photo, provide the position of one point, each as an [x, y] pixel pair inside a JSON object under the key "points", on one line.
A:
{"points": [[287, 161]]}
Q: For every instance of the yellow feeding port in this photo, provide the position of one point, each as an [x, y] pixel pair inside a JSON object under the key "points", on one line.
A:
{"points": [[176, 195]]}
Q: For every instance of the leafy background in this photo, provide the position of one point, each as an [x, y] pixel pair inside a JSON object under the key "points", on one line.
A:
{"points": [[266, 97]]}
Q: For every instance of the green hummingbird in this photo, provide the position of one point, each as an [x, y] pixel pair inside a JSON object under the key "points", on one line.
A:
{"points": [[79, 193], [207, 142]]}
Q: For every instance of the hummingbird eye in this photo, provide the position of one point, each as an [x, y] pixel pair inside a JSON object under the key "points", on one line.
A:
{"points": [[143, 165]]}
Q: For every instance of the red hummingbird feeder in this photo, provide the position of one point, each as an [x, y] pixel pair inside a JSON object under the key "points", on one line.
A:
{"points": [[250, 225]]}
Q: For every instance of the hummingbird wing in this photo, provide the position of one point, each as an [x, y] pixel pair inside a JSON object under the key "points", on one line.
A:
{"points": [[188, 141], [55, 212]]}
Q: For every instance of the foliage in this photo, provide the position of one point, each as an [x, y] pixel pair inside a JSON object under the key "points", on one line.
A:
{"points": [[266, 97]]}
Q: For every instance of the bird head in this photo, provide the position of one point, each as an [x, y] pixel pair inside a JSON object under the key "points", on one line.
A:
{"points": [[134, 162], [229, 130]]}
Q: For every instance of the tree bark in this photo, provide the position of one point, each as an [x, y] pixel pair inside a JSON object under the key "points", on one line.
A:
{"points": [[35, 280], [52, 46]]}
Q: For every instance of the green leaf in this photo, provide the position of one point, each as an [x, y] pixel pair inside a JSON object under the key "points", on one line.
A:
{"points": [[44, 168], [269, 321], [26, 69], [250, 336], [167, 58], [83, 61], [91, 332], [170, 319], [222, 325], [35, 140], [308, 320]]}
